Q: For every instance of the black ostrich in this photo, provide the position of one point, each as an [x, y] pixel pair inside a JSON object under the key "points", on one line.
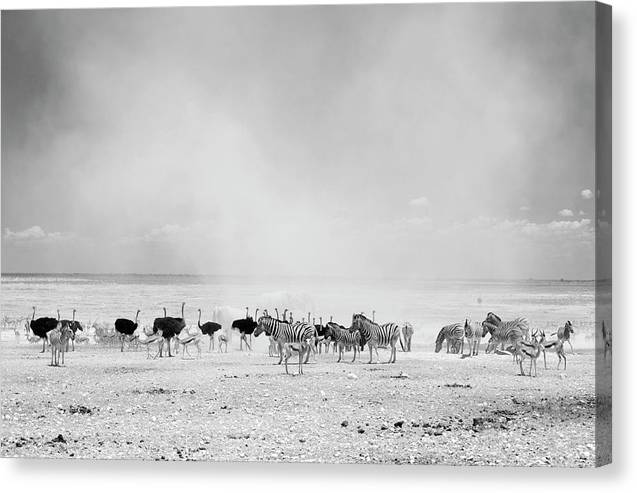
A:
{"points": [[209, 329], [126, 327], [320, 334], [245, 326], [170, 327], [42, 326], [74, 325]]}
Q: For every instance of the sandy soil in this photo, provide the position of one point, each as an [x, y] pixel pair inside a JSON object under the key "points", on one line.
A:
{"points": [[241, 406]]}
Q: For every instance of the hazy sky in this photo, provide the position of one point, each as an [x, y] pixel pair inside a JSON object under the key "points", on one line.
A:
{"points": [[448, 140]]}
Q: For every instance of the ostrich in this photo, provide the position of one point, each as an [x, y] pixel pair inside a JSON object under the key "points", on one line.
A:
{"points": [[246, 327], [209, 329], [322, 338], [42, 326], [284, 314], [126, 327], [170, 327]]}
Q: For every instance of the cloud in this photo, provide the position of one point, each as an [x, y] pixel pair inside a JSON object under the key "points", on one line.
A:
{"points": [[566, 213], [582, 213], [419, 202], [525, 208], [586, 194], [35, 234]]}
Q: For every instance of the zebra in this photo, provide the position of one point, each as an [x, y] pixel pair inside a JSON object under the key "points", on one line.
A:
{"points": [[492, 323], [343, 337], [564, 334], [502, 333], [375, 335], [295, 347], [473, 332], [453, 334], [408, 332], [283, 332]]}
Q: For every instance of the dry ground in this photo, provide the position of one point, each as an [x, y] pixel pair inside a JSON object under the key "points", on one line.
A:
{"points": [[241, 406]]}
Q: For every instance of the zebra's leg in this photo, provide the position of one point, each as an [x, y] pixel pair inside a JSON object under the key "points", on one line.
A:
{"points": [[307, 353], [355, 349], [301, 358], [287, 356], [569, 343], [340, 352]]}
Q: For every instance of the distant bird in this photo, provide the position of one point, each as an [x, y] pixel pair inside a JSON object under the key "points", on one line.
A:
{"points": [[170, 327], [126, 327], [246, 327], [209, 329], [42, 326]]}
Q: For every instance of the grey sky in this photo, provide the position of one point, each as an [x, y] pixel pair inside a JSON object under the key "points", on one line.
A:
{"points": [[427, 140]]}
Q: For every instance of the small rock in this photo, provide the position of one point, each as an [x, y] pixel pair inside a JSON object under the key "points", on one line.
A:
{"points": [[398, 424], [59, 439], [351, 376], [344, 423]]}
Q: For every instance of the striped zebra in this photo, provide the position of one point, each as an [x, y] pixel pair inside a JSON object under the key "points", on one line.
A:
{"points": [[453, 334], [285, 332], [343, 337], [506, 334], [473, 332], [376, 336], [564, 334]]}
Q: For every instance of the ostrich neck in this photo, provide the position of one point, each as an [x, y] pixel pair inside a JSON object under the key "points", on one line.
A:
{"points": [[33, 317], [199, 321]]}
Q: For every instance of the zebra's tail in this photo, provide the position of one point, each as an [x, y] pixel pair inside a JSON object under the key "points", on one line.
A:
{"points": [[400, 339]]}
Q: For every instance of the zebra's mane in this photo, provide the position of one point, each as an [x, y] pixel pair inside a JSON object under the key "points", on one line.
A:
{"points": [[493, 318], [361, 316], [334, 324]]}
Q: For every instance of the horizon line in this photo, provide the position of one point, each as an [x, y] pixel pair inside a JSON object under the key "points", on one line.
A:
{"points": [[326, 276]]}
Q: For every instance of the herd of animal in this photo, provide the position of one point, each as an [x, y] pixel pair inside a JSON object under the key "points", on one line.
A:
{"points": [[511, 336], [303, 338]]}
